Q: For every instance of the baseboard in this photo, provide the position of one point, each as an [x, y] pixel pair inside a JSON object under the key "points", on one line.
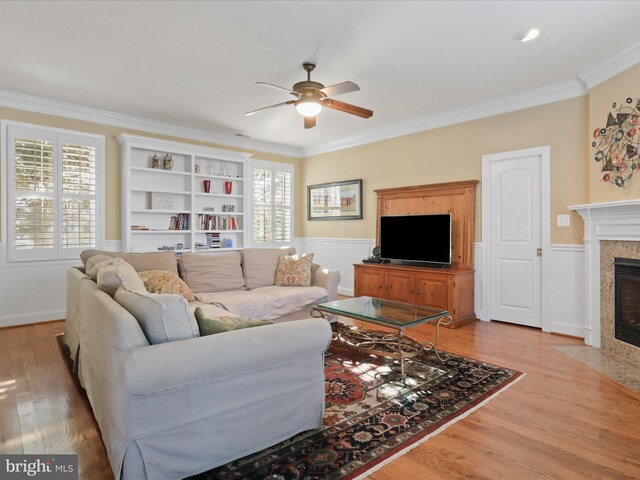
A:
{"points": [[345, 291], [32, 317]]}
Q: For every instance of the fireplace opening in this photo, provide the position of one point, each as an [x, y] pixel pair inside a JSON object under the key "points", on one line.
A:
{"points": [[627, 300]]}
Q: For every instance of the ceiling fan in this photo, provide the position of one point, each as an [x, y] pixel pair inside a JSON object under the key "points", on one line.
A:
{"points": [[312, 96]]}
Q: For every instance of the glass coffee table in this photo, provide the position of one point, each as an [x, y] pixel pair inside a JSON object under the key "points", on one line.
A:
{"points": [[395, 315]]}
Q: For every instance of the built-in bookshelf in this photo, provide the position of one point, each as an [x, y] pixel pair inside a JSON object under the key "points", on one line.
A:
{"points": [[181, 197]]}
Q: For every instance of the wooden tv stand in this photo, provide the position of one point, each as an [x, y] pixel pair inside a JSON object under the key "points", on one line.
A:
{"points": [[448, 289]]}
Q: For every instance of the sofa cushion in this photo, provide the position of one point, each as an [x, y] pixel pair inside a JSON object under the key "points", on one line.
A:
{"points": [[162, 317], [266, 303], [141, 262], [294, 270], [212, 273], [210, 326], [260, 264], [114, 273], [94, 264], [163, 281]]}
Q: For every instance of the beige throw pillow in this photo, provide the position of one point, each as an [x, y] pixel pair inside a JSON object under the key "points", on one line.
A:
{"points": [[163, 281], [260, 264], [294, 270], [94, 264], [116, 272], [216, 272]]}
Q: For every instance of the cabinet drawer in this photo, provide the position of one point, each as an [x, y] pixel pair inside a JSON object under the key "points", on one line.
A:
{"points": [[432, 293]]}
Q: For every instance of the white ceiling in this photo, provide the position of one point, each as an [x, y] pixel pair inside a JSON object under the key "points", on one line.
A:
{"points": [[195, 64]]}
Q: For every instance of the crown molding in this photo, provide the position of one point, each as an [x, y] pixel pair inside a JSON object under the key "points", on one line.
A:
{"points": [[31, 103], [612, 67], [531, 98]]}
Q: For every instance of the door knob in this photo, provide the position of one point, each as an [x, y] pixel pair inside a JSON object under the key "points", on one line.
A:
{"points": [[539, 252]]}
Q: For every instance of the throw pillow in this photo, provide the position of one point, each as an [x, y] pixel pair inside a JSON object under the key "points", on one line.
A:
{"points": [[163, 281], [260, 265], [162, 318], [216, 272], [94, 264], [210, 326], [116, 272], [294, 270]]}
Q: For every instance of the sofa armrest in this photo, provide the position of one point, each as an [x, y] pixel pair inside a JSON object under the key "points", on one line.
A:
{"points": [[177, 365], [327, 279]]}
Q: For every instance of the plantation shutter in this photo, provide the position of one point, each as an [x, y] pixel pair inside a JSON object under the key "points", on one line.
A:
{"points": [[53, 193], [272, 209]]}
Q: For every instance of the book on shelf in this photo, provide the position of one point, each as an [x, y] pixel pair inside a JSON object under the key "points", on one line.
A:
{"points": [[217, 222], [139, 227], [179, 222], [213, 240]]}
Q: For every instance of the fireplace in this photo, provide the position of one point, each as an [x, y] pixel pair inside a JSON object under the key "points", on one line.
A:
{"points": [[627, 300]]}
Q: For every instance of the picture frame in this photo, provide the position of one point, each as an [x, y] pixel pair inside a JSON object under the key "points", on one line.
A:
{"points": [[335, 201]]}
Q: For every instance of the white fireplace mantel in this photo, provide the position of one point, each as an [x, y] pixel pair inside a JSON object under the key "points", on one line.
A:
{"points": [[603, 221]]}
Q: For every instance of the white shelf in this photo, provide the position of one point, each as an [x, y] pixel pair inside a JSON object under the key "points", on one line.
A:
{"points": [[229, 214], [204, 250], [138, 232], [139, 180], [146, 190], [219, 177], [225, 195], [159, 170], [151, 210]]}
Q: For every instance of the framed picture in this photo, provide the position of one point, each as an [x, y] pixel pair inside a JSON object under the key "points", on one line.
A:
{"points": [[335, 201]]}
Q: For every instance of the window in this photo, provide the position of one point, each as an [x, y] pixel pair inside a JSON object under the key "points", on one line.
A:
{"points": [[54, 186], [272, 213]]}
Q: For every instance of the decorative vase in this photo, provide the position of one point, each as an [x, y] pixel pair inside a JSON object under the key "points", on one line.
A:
{"points": [[155, 162], [228, 187], [206, 184], [168, 162], [197, 168]]}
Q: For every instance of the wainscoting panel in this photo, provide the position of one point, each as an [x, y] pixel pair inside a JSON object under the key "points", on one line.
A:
{"points": [[337, 254], [566, 290], [32, 292]]}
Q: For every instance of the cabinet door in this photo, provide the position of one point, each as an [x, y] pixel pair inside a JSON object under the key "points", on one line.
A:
{"points": [[399, 287], [432, 292], [370, 283]]}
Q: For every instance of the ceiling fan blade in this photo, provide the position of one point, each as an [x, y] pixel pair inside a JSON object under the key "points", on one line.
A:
{"points": [[339, 89], [288, 102], [309, 122], [279, 88], [347, 108]]}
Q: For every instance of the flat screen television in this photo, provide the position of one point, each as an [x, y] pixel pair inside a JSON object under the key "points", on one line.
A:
{"points": [[416, 238]]}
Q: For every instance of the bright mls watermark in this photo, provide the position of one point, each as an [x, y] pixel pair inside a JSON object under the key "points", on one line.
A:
{"points": [[51, 467]]}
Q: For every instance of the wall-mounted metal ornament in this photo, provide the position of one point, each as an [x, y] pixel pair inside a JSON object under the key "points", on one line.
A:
{"points": [[616, 146]]}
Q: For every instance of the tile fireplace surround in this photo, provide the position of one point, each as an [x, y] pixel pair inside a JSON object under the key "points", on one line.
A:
{"points": [[611, 230]]}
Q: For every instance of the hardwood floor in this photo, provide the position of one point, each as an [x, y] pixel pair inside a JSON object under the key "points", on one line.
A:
{"points": [[562, 421]]}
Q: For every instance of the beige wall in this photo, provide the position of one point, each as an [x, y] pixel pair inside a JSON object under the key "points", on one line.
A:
{"points": [[601, 98], [112, 154], [455, 153]]}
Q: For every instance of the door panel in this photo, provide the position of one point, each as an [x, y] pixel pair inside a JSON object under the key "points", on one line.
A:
{"points": [[400, 287], [515, 238], [431, 293], [371, 284]]}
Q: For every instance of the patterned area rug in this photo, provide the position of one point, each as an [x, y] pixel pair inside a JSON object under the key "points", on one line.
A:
{"points": [[372, 417]]}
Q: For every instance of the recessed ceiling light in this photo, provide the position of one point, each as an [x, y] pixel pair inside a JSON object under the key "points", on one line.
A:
{"points": [[527, 35]]}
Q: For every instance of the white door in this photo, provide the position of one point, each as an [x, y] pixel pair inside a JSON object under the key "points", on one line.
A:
{"points": [[516, 240]]}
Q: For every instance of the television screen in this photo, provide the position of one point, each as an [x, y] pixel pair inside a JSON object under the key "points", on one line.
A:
{"points": [[416, 238]]}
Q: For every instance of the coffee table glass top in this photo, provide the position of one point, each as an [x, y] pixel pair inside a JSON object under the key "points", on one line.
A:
{"points": [[383, 312]]}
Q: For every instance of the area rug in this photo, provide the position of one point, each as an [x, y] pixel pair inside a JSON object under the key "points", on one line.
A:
{"points": [[371, 417]]}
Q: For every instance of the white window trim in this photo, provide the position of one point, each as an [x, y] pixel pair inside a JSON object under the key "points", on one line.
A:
{"points": [[8, 193], [253, 164]]}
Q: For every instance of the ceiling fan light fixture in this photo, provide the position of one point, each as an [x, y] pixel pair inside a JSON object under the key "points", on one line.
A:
{"points": [[527, 35], [308, 107]]}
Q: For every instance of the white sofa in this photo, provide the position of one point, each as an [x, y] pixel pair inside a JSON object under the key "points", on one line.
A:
{"points": [[174, 409]]}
